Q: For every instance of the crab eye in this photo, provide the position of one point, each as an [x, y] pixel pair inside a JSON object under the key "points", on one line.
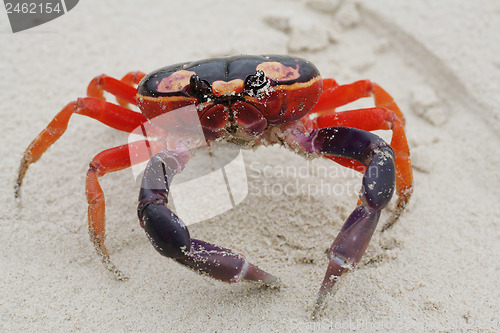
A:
{"points": [[256, 81], [199, 87]]}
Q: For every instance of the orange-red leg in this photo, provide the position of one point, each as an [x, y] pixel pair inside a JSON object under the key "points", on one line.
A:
{"points": [[110, 114], [123, 89], [114, 159], [386, 116], [335, 95], [133, 79], [109, 160]]}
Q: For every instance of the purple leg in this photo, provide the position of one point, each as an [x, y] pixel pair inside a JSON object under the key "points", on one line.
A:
{"points": [[170, 236], [378, 187]]}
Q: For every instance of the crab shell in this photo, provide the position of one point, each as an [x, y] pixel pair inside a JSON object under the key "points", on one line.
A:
{"points": [[229, 104]]}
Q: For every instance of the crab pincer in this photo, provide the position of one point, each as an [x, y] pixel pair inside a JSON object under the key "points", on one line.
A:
{"points": [[170, 236], [377, 190]]}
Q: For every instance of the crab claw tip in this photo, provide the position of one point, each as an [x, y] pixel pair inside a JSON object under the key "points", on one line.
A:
{"points": [[253, 273], [336, 268]]}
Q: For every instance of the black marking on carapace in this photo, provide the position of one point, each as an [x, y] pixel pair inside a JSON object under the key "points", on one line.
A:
{"points": [[225, 69]]}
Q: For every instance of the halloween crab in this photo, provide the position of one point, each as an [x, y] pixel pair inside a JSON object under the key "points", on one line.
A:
{"points": [[248, 100]]}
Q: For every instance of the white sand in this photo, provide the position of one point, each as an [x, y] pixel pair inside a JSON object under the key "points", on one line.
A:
{"points": [[436, 270]]}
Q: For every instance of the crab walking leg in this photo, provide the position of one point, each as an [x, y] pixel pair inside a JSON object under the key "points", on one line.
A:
{"points": [[170, 236], [378, 187], [123, 89], [132, 79], [107, 161], [372, 119], [109, 114], [335, 95]]}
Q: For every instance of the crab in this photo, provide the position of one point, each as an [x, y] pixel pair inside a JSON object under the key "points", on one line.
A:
{"points": [[249, 101]]}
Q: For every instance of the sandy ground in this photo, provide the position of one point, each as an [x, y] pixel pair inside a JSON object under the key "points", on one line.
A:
{"points": [[436, 270]]}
